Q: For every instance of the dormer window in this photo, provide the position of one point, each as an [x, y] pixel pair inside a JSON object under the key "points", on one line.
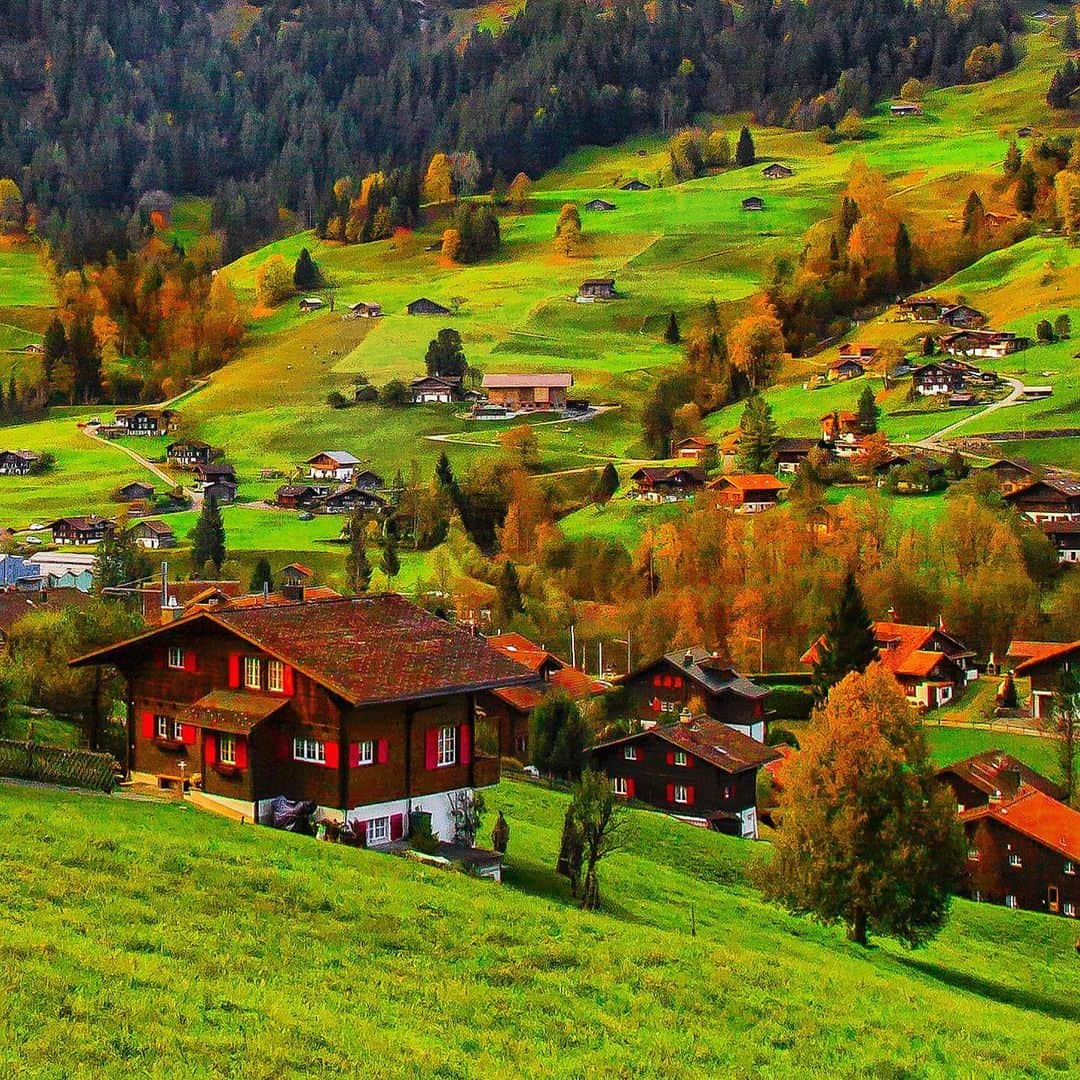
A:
{"points": [[252, 673]]}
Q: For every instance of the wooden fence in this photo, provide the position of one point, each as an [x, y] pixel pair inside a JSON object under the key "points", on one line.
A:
{"points": [[57, 765]]}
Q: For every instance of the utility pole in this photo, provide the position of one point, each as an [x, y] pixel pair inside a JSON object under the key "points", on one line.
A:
{"points": [[573, 647]]}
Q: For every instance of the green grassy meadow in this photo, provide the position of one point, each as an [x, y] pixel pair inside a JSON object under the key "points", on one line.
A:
{"points": [[152, 939]]}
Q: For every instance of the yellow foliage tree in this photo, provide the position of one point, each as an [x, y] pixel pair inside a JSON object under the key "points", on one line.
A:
{"points": [[273, 281], [438, 179], [756, 347]]}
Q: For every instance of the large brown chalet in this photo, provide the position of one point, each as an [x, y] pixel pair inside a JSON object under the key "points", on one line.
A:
{"points": [[696, 768], [661, 689], [366, 707], [1044, 666]]}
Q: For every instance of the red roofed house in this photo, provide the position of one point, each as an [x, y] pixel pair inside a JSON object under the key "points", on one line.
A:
{"points": [[836, 426], [697, 448], [366, 707], [746, 494], [660, 483], [991, 776], [1024, 852], [528, 393], [696, 768], [1044, 668], [511, 708], [1054, 498], [931, 665]]}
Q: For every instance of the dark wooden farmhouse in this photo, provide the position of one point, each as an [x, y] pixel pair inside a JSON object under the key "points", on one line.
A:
{"points": [[152, 534], [776, 171], [753, 202], [135, 491], [214, 473], [366, 707], [846, 368], [937, 378], [299, 496], [1044, 668], [697, 448], [661, 483], [962, 317], [188, 453], [991, 344], [662, 688], [597, 289], [991, 776], [600, 205], [145, 421], [1024, 852], [424, 306], [1012, 470], [790, 453], [1065, 536], [635, 185], [695, 768], [1054, 498], [436, 390], [354, 499], [88, 529], [19, 462]]}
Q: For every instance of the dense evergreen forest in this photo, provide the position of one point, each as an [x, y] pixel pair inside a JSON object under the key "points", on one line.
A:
{"points": [[103, 101]]}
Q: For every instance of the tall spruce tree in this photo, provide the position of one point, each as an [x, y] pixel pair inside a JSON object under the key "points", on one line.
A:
{"points": [[744, 149], [672, 335], [848, 643], [868, 411], [208, 538], [357, 566], [757, 436], [261, 576], [306, 273], [902, 255]]}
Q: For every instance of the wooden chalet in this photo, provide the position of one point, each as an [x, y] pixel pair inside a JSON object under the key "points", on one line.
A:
{"points": [[635, 185], [82, 530], [436, 390], [776, 171], [1024, 852], [354, 499], [510, 709], [696, 768], [187, 453], [753, 202], [528, 393], [962, 317], [922, 308], [746, 494], [336, 465], [1012, 470], [1065, 536], [368, 480], [135, 491], [221, 491], [311, 303], [597, 289], [600, 206], [937, 378], [790, 453], [931, 666], [299, 496], [990, 344], [213, 473], [1044, 669], [841, 425], [847, 367], [365, 707], [424, 306], [152, 534], [145, 421], [19, 462], [1054, 498], [905, 108], [990, 777], [863, 355], [664, 483], [365, 309], [697, 448], [662, 688]]}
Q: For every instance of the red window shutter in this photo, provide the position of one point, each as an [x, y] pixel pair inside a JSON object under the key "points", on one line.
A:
{"points": [[382, 752], [354, 755], [234, 670], [671, 793], [690, 796], [671, 757], [431, 748], [187, 734], [241, 753], [656, 680], [655, 703], [667, 680], [464, 744], [210, 747], [147, 725], [678, 680], [759, 709], [363, 832], [288, 681], [629, 789], [397, 826], [191, 663], [333, 755], [689, 760]]}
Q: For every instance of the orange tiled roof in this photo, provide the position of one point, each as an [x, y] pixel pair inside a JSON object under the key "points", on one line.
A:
{"points": [[1035, 814], [520, 648], [750, 482], [1029, 650], [1059, 652]]}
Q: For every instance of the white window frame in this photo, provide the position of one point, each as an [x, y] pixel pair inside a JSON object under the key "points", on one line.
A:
{"points": [[163, 727], [275, 676], [973, 854], [629, 753], [312, 751], [680, 758], [176, 658], [378, 831], [1015, 860], [685, 800], [252, 673], [366, 752], [1010, 901], [1070, 866], [1069, 908], [667, 706], [226, 749], [619, 786], [446, 746]]}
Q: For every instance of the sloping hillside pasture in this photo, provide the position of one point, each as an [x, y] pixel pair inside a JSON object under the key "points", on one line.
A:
{"points": [[150, 938], [24, 281]]}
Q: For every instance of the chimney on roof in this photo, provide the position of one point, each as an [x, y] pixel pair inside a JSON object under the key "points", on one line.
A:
{"points": [[266, 592], [688, 658], [293, 592], [891, 614]]}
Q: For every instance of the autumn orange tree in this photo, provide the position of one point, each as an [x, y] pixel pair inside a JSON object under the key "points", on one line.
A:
{"points": [[869, 838]]}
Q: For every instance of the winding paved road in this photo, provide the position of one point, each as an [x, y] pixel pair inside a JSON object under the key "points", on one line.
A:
{"points": [[933, 442]]}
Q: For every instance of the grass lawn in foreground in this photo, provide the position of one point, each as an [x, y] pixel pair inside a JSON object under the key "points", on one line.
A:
{"points": [[151, 939]]}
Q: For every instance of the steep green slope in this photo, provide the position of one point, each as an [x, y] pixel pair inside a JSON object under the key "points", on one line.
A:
{"points": [[153, 940]]}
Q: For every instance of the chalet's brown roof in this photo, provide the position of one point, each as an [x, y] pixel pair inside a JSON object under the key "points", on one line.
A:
{"points": [[707, 669], [1061, 652], [1060, 484], [1027, 650], [160, 528], [521, 698], [366, 650], [991, 771], [233, 711], [1038, 816], [710, 741], [664, 473], [898, 644], [510, 382], [519, 648], [82, 524], [748, 482]]}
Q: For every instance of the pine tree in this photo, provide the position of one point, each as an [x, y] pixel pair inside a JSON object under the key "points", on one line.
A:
{"points": [[445, 355], [508, 599], [389, 563], [1069, 38], [357, 566], [1013, 160], [848, 643], [55, 344], [672, 335], [974, 213], [868, 411], [744, 149], [607, 483], [757, 436], [1026, 188], [261, 576], [306, 273], [208, 538], [902, 255]]}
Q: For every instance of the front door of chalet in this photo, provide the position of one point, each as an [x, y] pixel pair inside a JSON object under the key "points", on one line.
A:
{"points": [[1052, 899]]}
